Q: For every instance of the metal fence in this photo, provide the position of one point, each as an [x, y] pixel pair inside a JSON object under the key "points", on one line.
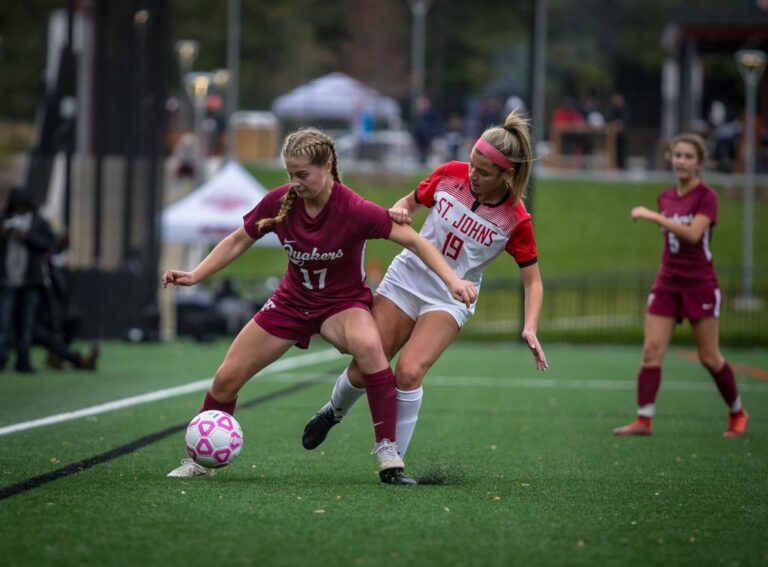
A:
{"points": [[610, 308]]}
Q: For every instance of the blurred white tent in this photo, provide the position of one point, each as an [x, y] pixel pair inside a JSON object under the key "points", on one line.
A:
{"points": [[214, 209], [335, 96], [203, 218]]}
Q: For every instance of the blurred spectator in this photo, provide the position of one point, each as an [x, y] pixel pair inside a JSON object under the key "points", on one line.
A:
{"points": [[214, 125], [515, 104], [425, 125], [724, 137], [454, 137], [187, 154], [231, 307], [567, 115], [26, 239], [58, 320], [590, 108], [490, 114], [617, 114], [362, 128]]}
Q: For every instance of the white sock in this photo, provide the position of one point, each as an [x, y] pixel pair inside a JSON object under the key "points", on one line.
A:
{"points": [[736, 405], [647, 410], [344, 395], [408, 405]]}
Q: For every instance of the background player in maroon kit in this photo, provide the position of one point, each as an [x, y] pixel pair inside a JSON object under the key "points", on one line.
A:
{"points": [[476, 214], [685, 288], [323, 226]]}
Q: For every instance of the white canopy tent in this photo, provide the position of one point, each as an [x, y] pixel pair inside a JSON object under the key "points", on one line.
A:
{"points": [[214, 209], [203, 218], [335, 96]]}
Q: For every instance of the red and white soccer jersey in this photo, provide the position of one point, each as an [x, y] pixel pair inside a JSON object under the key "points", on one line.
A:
{"points": [[686, 265], [469, 234], [326, 252]]}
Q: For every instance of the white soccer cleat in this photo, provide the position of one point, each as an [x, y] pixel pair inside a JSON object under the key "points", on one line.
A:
{"points": [[391, 464], [386, 451], [191, 468]]}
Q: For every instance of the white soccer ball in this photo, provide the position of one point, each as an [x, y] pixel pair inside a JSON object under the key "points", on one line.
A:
{"points": [[214, 439]]}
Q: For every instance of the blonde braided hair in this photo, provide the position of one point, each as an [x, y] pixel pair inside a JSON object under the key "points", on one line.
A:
{"points": [[313, 144]]}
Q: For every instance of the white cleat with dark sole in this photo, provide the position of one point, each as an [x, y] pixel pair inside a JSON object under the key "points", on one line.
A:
{"points": [[191, 468], [391, 465]]}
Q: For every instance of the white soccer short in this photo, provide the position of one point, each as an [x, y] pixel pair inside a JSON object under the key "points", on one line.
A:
{"points": [[415, 306]]}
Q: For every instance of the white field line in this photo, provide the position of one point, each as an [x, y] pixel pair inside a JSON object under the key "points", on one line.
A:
{"points": [[280, 365], [705, 385]]}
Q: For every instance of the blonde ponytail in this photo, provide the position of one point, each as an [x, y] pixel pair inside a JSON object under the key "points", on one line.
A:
{"points": [[513, 139]]}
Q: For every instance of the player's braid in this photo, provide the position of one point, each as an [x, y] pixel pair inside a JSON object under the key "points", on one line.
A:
{"points": [[313, 144], [513, 139]]}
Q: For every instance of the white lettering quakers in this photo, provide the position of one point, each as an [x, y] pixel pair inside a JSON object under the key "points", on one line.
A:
{"points": [[298, 257]]}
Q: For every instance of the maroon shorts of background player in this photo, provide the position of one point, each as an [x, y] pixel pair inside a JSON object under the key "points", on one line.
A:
{"points": [[684, 303], [284, 321]]}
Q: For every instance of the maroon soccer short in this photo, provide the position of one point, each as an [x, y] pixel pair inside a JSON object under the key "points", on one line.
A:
{"points": [[285, 322], [684, 304]]}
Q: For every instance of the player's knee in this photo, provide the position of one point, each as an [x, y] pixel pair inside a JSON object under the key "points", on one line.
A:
{"points": [[226, 384], [711, 360], [652, 352], [367, 351], [409, 376]]}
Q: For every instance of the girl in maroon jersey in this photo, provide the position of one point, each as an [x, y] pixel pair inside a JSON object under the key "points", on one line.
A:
{"points": [[476, 214], [686, 287], [323, 226]]}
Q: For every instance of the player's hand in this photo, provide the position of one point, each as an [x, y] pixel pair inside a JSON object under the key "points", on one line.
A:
{"points": [[178, 277], [464, 291], [400, 215], [642, 213], [538, 353]]}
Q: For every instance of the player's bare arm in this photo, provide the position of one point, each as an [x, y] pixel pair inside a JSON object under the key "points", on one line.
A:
{"points": [[222, 255], [461, 290], [534, 296], [690, 233], [402, 211]]}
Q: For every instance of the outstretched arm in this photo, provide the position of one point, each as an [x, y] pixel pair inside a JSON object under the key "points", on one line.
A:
{"points": [[222, 255], [461, 290], [690, 233], [534, 295]]}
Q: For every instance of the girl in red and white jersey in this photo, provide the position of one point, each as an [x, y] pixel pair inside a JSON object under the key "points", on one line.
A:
{"points": [[323, 226], [476, 213], [685, 288]]}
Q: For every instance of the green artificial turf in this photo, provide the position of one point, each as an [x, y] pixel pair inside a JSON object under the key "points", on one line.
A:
{"points": [[524, 466]]}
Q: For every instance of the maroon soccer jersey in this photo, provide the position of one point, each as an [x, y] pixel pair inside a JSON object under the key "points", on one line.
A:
{"points": [[682, 263], [326, 252]]}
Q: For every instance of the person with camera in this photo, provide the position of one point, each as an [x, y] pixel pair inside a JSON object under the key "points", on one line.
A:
{"points": [[26, 240]]}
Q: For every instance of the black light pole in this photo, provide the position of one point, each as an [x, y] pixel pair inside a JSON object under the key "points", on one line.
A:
{"points": [[68, 111], [419, 9], [751, 64]]}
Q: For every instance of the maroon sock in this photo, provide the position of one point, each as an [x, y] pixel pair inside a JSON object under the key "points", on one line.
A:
{"points": [[726, 383], [212, 403], [648, 382], [382, 401]]}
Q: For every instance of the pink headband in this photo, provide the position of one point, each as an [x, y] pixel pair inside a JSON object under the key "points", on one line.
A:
{"points": [[490, 151]]}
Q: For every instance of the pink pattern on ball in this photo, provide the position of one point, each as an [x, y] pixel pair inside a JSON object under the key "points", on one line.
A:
{"points": [[205, 427], [222, 455], [204, 447]]}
